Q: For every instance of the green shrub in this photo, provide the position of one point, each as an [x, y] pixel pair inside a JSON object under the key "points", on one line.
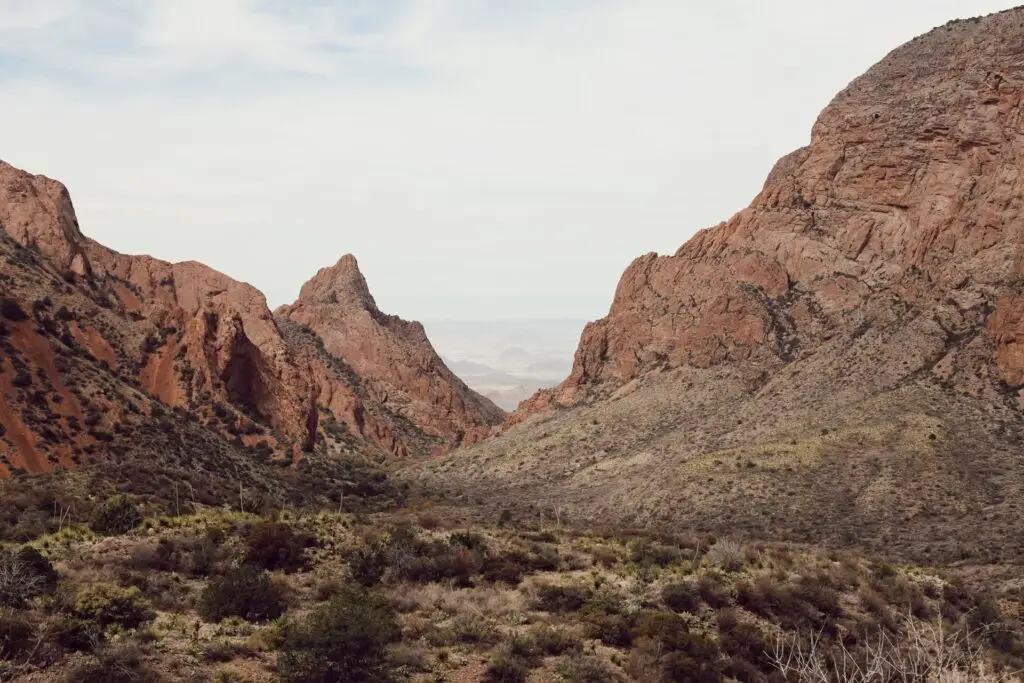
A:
{"points": [[506, 668], [988, 619], [469, 540], [507, 568], [117, 664], [327, 588], [604, 556], [343, 640], [474, 628], [697, 664], [678, 656], [224, 674], [555, 598], [681, 597], [544, 558], [108, 603], [201, 555], [588, 669], [40, 566], [119, 515], [220, 651], [743, 642], [441, 562], [425, 561], [665, 628], [713, 591], [428, 521], [611, 629], [12, 310], [247, 592], [367, 565], [274, 545], [524, 647], [806, 604], [17, 635], [72, 633], [162, 557], [554, 641], [649, 554]]}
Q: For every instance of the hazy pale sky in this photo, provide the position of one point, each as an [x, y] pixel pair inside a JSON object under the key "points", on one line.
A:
{"points": [[482, 158]]}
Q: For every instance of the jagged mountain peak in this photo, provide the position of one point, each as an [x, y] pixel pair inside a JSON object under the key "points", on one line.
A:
{"points": [[342, 284]]}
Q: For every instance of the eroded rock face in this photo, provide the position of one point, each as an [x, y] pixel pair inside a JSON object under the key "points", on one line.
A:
{"points": [[907, 203], [198, 340], [37, 212], [392, 355]]}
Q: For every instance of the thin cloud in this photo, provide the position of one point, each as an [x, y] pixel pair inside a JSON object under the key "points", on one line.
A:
{"points": [[482, 159]]}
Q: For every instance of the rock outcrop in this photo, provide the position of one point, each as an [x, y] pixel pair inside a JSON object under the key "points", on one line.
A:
{"points": [[218, 340], [907, 203], [840, 362], [400, 368], [37, 212], [197, 340]]}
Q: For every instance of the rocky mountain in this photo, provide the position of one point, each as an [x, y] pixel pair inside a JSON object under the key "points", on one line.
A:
{"points": [[844, 357], [98, 345], [400, 368]]}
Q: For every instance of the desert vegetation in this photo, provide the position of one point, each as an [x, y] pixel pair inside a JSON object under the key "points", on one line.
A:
{"points": [[418, 593]]}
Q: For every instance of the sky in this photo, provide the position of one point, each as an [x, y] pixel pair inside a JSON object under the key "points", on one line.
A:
{"points": [[481, 158]]}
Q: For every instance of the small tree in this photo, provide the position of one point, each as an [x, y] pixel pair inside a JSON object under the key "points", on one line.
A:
{"points": [[367, 565], [12, 310], [119, 515], [275, 545], [343, 640], [107, 603], [247, 592]]}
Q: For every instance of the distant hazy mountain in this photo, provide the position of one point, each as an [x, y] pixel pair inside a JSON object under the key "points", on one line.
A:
{"points": [[507, 360]]}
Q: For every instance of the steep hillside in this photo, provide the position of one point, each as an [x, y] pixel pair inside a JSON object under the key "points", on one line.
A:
{"points": [[392, 355], [842, 359], [181, 335], [73, 406]]}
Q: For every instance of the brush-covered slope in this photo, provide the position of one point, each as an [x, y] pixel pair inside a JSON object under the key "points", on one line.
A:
{"points": [[841, 359]]}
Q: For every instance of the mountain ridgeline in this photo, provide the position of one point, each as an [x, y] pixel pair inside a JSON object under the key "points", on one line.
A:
{"points": [[100, 347], [840, 361], [792, 451]]}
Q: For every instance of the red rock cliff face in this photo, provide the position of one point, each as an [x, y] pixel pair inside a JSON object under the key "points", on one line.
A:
{"points": [[225, 347], [393, 355], [907, 202], [37, 212], [202, 341]]}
